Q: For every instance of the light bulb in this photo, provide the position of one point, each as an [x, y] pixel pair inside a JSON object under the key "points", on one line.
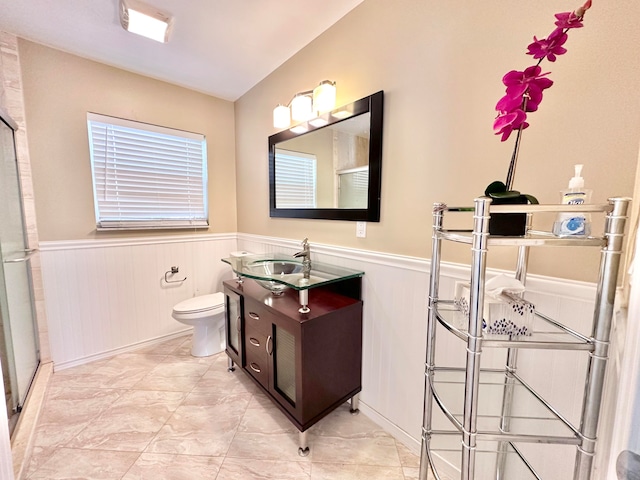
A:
{"points": [[324, 97], [301, 108], [281, 116]]}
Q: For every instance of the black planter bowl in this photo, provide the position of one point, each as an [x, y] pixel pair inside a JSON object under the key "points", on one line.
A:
{"points": [[508, 224]]}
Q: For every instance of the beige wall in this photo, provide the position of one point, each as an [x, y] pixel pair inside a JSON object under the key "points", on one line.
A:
{"points": [[60, 89], [440, 65]]}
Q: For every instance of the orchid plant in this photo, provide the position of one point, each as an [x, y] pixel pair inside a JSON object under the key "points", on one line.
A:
{"points": [[524, 90]]}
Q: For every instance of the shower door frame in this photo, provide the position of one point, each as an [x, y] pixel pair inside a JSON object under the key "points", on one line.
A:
{"points": [[19, 380]]}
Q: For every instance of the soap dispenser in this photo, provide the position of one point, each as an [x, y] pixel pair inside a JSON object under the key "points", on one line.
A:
{"points": [[574, 223]]}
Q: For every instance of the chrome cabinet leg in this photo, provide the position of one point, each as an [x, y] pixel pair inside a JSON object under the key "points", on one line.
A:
{"points": [[230, 366], [303, 448], [355, 403]]}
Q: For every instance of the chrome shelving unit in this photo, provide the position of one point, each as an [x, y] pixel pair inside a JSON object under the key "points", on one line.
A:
{"points": [[482, 437]]}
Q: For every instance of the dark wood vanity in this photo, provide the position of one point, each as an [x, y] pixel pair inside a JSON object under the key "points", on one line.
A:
{"points": [[307, 363]]}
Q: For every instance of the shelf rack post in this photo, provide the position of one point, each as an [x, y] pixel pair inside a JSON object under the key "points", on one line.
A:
{"points": [[603, 313], [480, 239], [434, 278], [511, 366]]}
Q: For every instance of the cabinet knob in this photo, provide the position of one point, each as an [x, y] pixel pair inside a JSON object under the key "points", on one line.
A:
{"points": [[254, 342], [269, 345], [255, 367], [254, 315]]}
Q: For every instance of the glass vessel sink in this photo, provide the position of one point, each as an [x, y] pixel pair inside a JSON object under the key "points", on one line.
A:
{"points": [[277, 272], [273, 269]]}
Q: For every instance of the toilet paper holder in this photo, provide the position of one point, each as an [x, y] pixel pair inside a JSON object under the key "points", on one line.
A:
{"points": [[173, 271]]}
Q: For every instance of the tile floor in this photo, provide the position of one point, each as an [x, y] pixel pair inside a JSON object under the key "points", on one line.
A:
{"points": [[159, 413]]}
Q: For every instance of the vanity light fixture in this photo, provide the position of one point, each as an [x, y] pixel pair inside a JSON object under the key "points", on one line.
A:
{"points": [[300, 128], [324, 96], [301, 107], [320, 121], [307, 106], [146, 20]]}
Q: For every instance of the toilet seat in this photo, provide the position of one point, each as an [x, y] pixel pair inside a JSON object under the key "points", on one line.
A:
{"points": [[200, 304]]}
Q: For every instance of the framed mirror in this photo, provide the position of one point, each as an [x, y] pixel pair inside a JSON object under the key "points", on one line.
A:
{"points": [[329, 167]]}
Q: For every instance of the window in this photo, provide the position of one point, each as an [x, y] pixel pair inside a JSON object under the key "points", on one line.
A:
{"points": [[353, 187], [146, 176], [295, 179]]}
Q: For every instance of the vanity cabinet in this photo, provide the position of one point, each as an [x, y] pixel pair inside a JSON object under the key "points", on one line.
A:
{"points": [[307, 363], [480, 421]]}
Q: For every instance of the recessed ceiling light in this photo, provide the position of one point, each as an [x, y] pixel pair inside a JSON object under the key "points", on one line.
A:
{"points": [[146, 20]]}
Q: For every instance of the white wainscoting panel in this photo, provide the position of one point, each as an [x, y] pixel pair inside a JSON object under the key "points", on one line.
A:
{"points": [[395, 292], [105, 296]]}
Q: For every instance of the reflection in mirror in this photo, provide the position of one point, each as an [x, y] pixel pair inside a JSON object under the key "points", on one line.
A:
{"points": [[330, 171]]}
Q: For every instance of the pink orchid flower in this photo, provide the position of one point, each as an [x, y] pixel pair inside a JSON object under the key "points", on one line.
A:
{"points": [[518, 82], [568, 20], [524, 89], [507, 122], [549, 47]]}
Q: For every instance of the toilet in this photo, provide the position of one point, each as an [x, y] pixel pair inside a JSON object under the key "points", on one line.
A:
{"points": [[205, 314]]}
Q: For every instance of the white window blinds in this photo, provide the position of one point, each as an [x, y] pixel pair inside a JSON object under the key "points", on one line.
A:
{"points": [[353, 185], [295, 179], [145, 176]]}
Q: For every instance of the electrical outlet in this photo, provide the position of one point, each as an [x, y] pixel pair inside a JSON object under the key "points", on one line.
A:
{"points": [[361, 229]]}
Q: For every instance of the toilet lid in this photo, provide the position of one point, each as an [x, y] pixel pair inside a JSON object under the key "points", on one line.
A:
{"points": [[201, 303]]}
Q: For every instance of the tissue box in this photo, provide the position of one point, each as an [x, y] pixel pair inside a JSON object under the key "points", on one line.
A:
{"points": [[503, 314]]}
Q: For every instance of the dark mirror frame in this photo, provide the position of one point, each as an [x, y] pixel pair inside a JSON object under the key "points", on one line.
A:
{"points": [[374, 105]]}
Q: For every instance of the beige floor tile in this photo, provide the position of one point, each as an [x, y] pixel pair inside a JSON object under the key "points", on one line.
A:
{"points": [[185, 348], [130, 423], [122, 371], [378, 451], [260, 446], [69, 463], [155, 466], [67, 411], [265, 419], [407, 457], [160, 413], [181, 367], [167, 384], [237, 402], [82, 369], [168, 347], [250, 469], [413, 473], [341, 423], [39, 455], [217, 379], [199, 430], [331, 471]]}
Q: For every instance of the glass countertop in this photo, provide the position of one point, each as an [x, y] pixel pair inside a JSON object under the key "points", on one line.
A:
{"points": [[287, 270]]}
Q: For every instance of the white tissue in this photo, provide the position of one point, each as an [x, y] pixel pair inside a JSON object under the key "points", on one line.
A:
{"points": [[502, 283]]}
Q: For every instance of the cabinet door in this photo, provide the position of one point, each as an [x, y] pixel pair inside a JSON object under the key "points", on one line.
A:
{"points": [[234, 326], [284, 363]]}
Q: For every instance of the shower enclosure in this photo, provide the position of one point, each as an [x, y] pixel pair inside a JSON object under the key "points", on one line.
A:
{"points": [[19, 352]]}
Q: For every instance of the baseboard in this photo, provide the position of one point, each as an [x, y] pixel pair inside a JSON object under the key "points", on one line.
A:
{"points": [[117, 351]]}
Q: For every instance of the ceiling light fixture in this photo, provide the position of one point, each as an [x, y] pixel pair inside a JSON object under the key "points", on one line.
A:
{"points": [[306, 105], [146, 20]]}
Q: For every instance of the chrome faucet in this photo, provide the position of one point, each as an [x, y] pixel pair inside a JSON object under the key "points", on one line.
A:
{"points": [[306, 258]]}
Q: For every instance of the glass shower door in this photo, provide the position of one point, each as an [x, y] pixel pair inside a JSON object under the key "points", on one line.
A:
{"points": [[18, 346]]}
